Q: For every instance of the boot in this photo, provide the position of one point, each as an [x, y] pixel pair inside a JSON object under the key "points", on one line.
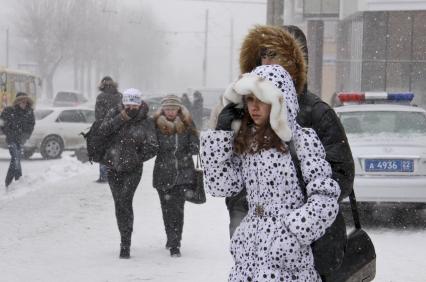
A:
{"points": [[124, 252], [175, 252]]}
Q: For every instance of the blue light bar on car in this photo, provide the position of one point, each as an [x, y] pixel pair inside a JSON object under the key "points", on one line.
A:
{"points": [[403, 97]]}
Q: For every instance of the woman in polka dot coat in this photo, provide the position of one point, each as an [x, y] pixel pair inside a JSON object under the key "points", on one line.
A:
{"points": [[273, 241]]}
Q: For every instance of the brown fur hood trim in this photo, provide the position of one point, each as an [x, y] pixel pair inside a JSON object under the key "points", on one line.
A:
{"points": [[289, 53], [182, 122], [24, 98]]}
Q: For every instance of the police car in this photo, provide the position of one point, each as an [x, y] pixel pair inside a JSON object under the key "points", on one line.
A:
{"points": [[388, 141]]}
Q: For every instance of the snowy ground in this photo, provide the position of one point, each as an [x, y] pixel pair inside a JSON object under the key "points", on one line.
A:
{"points": [[56, 224]]}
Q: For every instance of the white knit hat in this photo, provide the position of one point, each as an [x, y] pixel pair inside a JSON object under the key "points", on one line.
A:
{"points": [[265, 91], [132, 96]]}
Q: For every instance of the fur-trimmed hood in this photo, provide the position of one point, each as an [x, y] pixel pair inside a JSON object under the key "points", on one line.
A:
{"points": [[289, 53], [182, 121], [272, 85], [24, 98]]}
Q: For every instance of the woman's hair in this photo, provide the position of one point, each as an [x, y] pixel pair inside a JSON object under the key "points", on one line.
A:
{"points": [[264, 138], [182, 122]]}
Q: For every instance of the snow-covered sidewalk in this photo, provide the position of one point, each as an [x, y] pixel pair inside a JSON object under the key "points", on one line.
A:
{"points": [[57, 224]]}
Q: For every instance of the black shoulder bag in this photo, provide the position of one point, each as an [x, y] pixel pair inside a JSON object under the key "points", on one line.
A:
{"points": [[336, 258], [197, 195], [359, 261]]}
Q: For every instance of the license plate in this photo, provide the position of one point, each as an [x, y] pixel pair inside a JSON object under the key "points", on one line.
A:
{"points": [[389, 165]]}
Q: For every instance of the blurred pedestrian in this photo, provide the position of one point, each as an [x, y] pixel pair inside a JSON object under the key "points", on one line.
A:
{"points": [[186, 102], [18, 125], [107, 99], [197, 109], [133, 141], [174, 170]]}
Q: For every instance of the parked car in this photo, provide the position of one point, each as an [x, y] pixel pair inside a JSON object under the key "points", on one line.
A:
{"points": [[68, 99], [388, 143], [57, 129]]}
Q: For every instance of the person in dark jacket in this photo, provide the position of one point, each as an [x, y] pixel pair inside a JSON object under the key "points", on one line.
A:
{"points": [[132, 138], [18, 125], [273, 45], [108, 99], [197, 109], [174, 170], [186, 102]]}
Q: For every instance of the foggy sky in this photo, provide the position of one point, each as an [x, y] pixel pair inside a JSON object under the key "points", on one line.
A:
{"points": [[179, 20]]}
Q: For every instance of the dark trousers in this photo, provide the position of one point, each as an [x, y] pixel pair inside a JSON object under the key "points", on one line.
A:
{"points": [[15, 170], [172, 205], [123, 186], [103, 172]]}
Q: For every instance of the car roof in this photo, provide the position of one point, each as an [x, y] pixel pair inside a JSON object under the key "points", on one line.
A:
{"points": [[58, 109], [378, 107]]}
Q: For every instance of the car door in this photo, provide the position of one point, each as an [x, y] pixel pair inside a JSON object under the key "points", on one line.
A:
{"points": [[70, 124]]}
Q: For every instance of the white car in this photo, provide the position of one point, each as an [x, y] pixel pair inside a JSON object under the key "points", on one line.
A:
{"points": [[57, 129], [388, 143]]}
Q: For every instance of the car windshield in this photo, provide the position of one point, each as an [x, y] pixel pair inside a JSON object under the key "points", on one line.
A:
{"points": [[41, 114], [383, 122]]}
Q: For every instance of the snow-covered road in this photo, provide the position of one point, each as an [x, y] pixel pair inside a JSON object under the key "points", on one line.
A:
{"points": [[56, 224]]}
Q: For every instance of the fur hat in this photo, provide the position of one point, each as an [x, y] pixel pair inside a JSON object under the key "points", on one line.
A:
{"points": [[21, 96], [107, 82], [132, 96], [288, 51], [171, 100], [268, 90]]}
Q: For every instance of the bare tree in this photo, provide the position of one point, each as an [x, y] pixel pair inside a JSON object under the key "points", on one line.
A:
{"points": [[47, 27], [92, 37]]}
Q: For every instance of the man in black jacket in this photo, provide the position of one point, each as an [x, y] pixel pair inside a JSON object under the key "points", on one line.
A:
{"points": [[18, 125], [108, 99]]}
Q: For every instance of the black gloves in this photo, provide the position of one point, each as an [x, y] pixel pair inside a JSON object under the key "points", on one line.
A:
{"points": [[227, 115], [132, 113]]}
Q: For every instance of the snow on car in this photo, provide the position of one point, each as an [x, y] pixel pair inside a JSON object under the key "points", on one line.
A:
{"points": [[388, 143], [57, 129]]}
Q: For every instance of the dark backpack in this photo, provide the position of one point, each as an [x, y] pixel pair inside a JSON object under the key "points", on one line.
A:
{"points": [[96, 144]]}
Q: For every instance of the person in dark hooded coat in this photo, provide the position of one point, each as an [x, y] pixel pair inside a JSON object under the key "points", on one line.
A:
{"points": [[18, 125], [197, 109], [287, 47], [132, 138], [107, 99], [174, 170]]}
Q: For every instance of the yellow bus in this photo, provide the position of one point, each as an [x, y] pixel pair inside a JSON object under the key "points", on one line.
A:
{"points": [[13, 81]]}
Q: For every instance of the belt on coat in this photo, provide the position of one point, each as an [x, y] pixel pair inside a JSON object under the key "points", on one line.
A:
{"points": [[268, 210]]}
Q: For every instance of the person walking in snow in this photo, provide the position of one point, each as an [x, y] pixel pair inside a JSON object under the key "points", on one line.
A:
{"points": [[174, 170], [197, 109], [186, 102], [133, 141], [107, 99], [272, 243], [18, 125], [287, 46]]}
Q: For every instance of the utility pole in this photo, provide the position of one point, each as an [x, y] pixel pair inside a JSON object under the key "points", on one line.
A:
{"points": [[206, 36], [231, 51], [274, 12], [7, 47]]}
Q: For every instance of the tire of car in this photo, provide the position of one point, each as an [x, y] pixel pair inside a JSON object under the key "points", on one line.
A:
{"points": [[51, 147]]}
